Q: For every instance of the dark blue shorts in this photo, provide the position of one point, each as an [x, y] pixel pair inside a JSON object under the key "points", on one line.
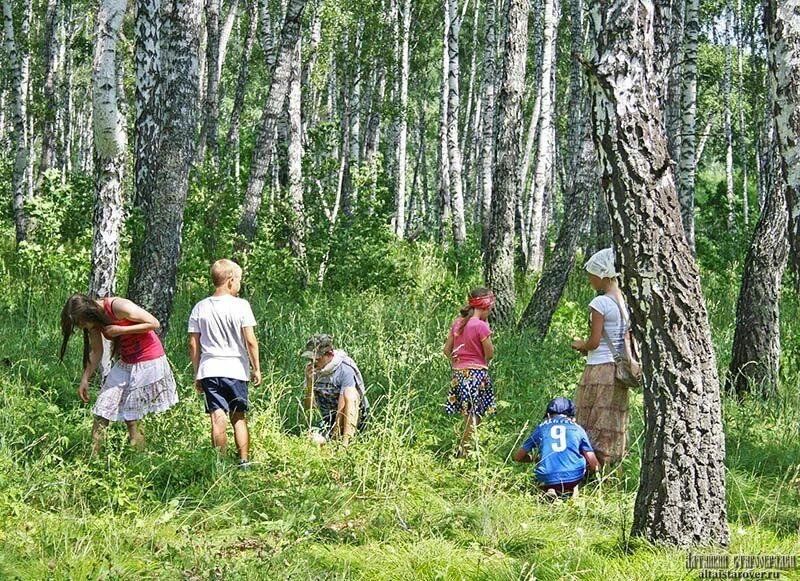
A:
{"points": [[223, 393]]}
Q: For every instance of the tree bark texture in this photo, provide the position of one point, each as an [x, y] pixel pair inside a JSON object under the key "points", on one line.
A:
{"points": [[110, 144], [147, 58], [273, 107], [756, 352], [453, 146], [499, 265], [402, 132], [782, 18], [488, 116], [154, 265], [47, 159], [208, 131], [583, 179], [18, 73], [297, 218], [681, 496], [687, 162], [545, 153]]}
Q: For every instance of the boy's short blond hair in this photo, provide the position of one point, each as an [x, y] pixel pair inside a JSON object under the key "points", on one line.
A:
{"points": [[224, 269]]}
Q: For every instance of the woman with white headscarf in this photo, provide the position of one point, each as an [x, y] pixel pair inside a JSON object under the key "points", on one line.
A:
{"points": [[602, 402]]}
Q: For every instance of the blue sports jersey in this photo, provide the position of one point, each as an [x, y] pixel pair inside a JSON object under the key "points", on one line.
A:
{"points": [[560, 442]]}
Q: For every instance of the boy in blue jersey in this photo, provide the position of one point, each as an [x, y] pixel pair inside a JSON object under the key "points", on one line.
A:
{"points": [[563, 450]]}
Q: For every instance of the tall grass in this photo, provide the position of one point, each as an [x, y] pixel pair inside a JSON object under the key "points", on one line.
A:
{"points": [[395, 505]]}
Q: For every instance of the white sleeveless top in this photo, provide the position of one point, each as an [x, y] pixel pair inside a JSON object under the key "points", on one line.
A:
{"points": [[614, 326]]}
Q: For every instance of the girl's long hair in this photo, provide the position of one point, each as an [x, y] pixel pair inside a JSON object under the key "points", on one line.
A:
{"points": [[467, 311], [81, 309]]}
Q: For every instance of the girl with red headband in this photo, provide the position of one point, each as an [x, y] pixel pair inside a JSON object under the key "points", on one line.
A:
{"points": [[469, 348]]}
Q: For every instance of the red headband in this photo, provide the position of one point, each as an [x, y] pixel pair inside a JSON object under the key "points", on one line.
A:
{"points": [[485, 302]]}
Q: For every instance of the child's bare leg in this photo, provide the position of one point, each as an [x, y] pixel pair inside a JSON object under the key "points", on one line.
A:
{"points": [[219, 426], [347, 414], [98, 433], [471, 422], [135, 436], [241, 435]]}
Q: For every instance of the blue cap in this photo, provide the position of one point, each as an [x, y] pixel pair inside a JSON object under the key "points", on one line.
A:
{"points": [[561, 405]]}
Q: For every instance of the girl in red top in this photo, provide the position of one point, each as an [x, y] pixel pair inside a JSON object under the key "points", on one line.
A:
{"points": [[469, 348], [140, 382]]}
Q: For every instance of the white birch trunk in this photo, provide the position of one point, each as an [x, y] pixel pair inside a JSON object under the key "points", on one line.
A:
{"points": [[728, 125], [295, 154], [110, 144], [444, 164], [453, 148], [147, 58], [488, 116], [545, 155], [687, 163], [402, 137], [499, 261], [18, 69]]}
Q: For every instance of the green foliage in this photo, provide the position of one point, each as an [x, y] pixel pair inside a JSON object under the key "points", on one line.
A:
{"points": [[394, 505]]}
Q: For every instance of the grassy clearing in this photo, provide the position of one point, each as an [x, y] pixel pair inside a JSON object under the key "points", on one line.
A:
{"points": [[396, 506]]}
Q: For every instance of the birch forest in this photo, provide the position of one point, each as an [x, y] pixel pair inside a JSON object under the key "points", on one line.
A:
{"points": [[368, 163]]}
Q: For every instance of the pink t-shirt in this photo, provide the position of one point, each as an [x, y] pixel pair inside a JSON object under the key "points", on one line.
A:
{"points": [[468, 344]]}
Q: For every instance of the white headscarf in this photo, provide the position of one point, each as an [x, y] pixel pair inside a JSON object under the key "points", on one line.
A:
{"points": [[602, 264]]}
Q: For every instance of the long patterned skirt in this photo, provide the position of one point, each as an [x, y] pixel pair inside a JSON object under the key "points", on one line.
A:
{"points": [[602, 410]]}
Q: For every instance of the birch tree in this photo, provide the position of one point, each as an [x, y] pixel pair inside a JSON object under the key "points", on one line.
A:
{"points": [[154, 264], [756, 351], [687, 163], [488, 115], [110, 143], [499, 260], [545, 154], [18, 69], [581, 182], [453, 146], [47, 159], [147, 60], [273, 107], [681, 495], [402, 137], [297, 217], [208, 131], [783, 52]]}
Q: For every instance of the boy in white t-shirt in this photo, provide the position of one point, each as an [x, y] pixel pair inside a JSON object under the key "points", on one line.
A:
{"points": [[222, 347]]}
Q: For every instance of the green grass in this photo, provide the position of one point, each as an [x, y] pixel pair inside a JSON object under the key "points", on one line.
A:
{"points": [[394, 505]]}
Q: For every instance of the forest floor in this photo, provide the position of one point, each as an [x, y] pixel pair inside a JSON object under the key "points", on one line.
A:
{"points": [[395, 505]]}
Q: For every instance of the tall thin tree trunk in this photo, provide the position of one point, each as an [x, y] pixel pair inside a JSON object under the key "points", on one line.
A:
{"points": [[467, 127], [743, 150], [728, 125], [687, 162], [453, 147], [208, 130], [18, 68], [488, 116], [444, 115], [154, 264], [225, 35], [402, 134], [241, 89], [545, 153], [47, 159], [681, 495], [265, 137], [295, 153], [110, 143], [499, 260], [582, 180]]}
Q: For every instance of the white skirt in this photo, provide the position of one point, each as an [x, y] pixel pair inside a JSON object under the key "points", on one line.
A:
{"points": [[133, 390]]}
